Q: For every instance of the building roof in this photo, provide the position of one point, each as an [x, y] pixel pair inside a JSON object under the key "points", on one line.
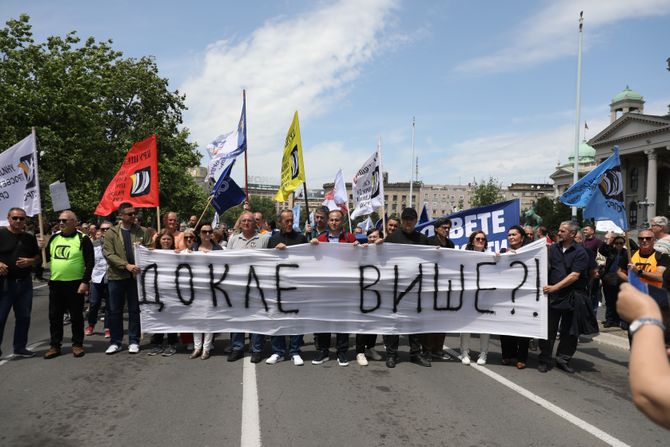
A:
{"points": [[627, 94], [587, 154]]}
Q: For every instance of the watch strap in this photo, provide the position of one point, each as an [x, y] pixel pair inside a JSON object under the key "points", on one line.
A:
{"points": [[637, 324]]}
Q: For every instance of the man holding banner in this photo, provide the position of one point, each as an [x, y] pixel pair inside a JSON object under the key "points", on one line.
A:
{"points": [[18, 253]]}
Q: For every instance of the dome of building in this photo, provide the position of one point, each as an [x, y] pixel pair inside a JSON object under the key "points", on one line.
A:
{"points": [[587, 154], [627, 94]]}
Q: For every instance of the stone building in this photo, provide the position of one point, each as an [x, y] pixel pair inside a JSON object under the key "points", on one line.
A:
{"points": [[644, 150]]}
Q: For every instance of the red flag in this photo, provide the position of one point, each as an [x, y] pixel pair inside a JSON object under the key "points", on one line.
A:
{"points": [[136, 182]]}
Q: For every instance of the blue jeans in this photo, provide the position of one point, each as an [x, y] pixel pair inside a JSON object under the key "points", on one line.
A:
{"points": [[237, 341], [17, 294], [279, 345], [120, 291], [98, 292]]}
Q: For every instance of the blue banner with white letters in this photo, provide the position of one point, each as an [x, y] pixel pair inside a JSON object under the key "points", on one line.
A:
{"points": [[493, 220]]}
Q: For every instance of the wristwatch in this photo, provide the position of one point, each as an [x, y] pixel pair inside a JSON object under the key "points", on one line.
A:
{"points": [[637, 324]]}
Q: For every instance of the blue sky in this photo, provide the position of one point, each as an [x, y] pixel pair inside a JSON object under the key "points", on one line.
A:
{"points": [[492, 84]]}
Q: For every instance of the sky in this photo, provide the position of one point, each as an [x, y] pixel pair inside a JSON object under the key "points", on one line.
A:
{"points": [[491, 85]]}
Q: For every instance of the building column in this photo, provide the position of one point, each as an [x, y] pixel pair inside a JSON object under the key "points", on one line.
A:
{"points": [[652, 171]]}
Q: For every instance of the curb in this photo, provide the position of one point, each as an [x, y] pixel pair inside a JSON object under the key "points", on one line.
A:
{"points": [[609, 339]]}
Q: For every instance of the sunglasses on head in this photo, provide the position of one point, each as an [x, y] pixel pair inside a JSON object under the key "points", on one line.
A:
{"points": [[18, 218]]}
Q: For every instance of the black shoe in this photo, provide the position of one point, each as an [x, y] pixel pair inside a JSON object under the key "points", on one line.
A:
{"points": [[562, 364], [255, 357], [391, 361], [321, 357], [420, 360], [609, 324], [235, 355], [543, 367]]}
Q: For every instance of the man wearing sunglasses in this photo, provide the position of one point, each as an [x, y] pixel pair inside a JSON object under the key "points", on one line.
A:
{"points": [[121, 273], [18, 253], [648, 263], [71, 256]]}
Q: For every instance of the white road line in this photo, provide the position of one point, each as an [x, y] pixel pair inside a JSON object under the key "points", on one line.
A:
{"points": [[611, 440], [40, 286], [251, 429]]}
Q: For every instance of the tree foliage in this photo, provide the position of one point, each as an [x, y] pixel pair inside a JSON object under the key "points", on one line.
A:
{"points": [[552, 212], [89, 104], [262, 204], [486, 193]]}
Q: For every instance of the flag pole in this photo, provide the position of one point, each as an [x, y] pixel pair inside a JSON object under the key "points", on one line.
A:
{"points": [[575, 166], [246, 173], [40, 222], [209, 201], [158, 218], [304, 184], [381, 169], [411, 171]]}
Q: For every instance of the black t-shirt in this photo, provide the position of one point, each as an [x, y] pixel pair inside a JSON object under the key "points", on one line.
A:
{"points": [[434, 240], [292, 238], [128, 245], [400, 237], [14, 246]]}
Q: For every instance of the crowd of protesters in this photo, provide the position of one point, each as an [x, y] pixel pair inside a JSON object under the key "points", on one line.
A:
{"points": [[95, 262]]}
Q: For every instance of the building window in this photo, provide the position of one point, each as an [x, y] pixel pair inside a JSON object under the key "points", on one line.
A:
{"points": [[632, 214], [634, 177], [395, 197], [404, 198], [386, 198]]}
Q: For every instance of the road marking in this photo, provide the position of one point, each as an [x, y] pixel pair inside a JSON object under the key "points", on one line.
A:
{"points": [[40, 286], [251, 429], [547, 405]]}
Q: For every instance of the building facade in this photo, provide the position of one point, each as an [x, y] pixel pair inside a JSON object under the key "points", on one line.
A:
{"points": [[644, 150]]}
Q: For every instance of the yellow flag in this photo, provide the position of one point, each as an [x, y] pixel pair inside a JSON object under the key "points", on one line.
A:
{"points": [[292, 169]]}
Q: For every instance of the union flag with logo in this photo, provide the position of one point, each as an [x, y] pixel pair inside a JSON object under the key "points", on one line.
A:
{"points": [[136, 182]]}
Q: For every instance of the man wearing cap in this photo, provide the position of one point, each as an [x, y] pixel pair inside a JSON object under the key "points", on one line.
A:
{"points": [[407, 234]]}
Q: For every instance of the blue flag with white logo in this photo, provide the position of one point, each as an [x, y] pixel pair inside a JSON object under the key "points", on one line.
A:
{"points": [[424, 215], [600, 193], [226, 194]]}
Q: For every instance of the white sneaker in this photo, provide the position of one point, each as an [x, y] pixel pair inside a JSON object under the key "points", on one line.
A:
{"points": [[113, 349], [361, 360], [465, 359], [134, 348], [482, 359], [274, 358], [297, 360]]}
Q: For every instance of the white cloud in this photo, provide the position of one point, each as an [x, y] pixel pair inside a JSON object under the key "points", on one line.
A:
{"points": [[305, 63], [552, 32]]}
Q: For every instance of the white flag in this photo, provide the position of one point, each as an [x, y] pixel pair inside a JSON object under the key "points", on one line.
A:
{"points": [[368, 187], [19, 181], [337, 198]]}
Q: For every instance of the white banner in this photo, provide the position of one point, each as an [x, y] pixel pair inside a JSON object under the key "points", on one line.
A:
{"points": [[380, 289], [19, 180], [368, 187]]}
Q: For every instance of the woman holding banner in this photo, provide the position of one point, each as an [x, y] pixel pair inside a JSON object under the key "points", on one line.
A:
{"points": [[164, 241], [205, 244], [477, 242], [511, 346]]}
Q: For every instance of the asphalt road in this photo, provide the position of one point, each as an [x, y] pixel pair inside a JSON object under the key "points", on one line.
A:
{"points": [[156, 401]]}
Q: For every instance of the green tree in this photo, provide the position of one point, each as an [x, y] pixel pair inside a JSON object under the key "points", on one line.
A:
{"points": [[263, 204], [89, 104], [486, 193]]}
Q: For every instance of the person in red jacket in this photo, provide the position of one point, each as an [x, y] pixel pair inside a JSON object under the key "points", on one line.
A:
{"points": [[335, 233]]}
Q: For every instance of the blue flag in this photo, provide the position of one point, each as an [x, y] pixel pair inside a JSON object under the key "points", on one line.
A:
{"points": [[424, 215], [226, 194], [379, 225], [600, 193]]}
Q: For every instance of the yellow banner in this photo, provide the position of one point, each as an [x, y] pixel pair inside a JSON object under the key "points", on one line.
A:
{"points": [[292, 169]]}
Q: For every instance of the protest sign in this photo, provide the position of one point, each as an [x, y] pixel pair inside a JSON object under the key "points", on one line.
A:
{"points": [[19, 179], [493, 220], [59, 198], [380, 289]]}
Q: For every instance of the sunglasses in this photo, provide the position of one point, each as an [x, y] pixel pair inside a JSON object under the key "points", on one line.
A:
{"points": [[188, 238], [18, 218], [206, 231], [619, 243], [130, 214], [64, 220], [645, 238], [480, 239]]}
